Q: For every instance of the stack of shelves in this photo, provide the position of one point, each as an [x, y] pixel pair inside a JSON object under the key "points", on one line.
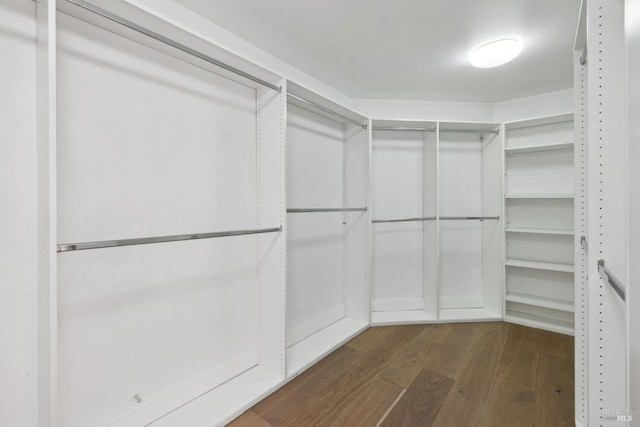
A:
{"points": [[539, 266]]}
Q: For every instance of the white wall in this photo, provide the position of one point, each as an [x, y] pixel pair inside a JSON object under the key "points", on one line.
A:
{"points": [[386, 109], [546, 104], [18, 222]]}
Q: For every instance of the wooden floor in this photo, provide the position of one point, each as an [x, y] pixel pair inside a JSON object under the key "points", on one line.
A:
{"points": [[466, 374]]}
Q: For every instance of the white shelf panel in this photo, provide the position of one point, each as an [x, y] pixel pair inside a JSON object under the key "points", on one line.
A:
{"points": [[549, 324], [566, 268], [539, 121], [308, 351], [552, 303], [468, 315], [539, 231], [540, 196], [224, 403], [400, 317], [538, 148]]}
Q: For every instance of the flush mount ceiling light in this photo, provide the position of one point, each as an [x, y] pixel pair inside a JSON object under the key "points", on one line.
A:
{"points": [[495, 53]]}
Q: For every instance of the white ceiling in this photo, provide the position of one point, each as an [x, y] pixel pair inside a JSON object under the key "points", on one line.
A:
{"points": [[409, 49]]}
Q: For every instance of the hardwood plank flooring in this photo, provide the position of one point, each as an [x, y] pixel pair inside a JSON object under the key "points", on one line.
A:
{"points": [[468, 374], [421, 403]]}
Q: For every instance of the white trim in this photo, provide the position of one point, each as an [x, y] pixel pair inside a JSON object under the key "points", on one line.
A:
{"points": [[165, 403], [397, 304], [447, 302], [310, 327]]}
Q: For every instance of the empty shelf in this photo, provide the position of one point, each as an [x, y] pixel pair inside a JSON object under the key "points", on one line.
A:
{"points": [[540, 265], [552, 303], [554, 325], [540, 196], [538, 148], [539, 230]]}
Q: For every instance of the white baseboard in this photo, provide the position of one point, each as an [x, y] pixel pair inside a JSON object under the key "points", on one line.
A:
{"points": [[310, 327], [151, 410], [461, 302], [397, 304]]}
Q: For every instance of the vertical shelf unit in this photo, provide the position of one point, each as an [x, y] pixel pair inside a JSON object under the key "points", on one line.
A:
{"points": [[470, 221], [404, 226], [539, 227], [437, 228], [167, 224], [327, 167]]}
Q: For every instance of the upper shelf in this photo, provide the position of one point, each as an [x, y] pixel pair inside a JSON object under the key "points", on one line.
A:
{"points": [[538, 148]]}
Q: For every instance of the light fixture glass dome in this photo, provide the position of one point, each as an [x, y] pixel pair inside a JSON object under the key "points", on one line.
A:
{"points": [[496, 53]]}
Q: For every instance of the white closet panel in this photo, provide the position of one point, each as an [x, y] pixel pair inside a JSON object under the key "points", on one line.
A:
{"points": [[315, 273], [316, 240], [549, 171], [398, 267], [461, 284], [315, 160], [142, 320], [460, 195], [460, 174], [398, 161], [536, 134], [552, 214], [398, 188], [149, 145]]}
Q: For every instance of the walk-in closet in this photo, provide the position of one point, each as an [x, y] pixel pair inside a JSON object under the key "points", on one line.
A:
{"points": [[292, 214]]}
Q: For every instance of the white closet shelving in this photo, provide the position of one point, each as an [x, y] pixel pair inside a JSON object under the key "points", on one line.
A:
{"points": [[404, 229], [437, 229], [539, 237], [158, 152], [160, 142], [470, 221], [327, 226]]}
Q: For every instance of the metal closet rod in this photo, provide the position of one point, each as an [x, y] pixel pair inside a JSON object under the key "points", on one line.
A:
{"points": [[425, 218], [326, 210], [135, 27], [465, 218], [613, 281], [492, 131], [68, 247], [326, 110], [416, 129]]}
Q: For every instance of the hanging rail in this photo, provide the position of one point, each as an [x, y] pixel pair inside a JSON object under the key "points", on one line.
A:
{"points": [[425, 218], [68, 247], [613, 281], [326, 210], [465, 218], [326, 110], [135, 27], [414, 129]]}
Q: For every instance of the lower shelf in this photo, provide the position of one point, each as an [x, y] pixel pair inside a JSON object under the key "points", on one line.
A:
{"points": [[552, 303], [305, 353], [553, 325]]}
